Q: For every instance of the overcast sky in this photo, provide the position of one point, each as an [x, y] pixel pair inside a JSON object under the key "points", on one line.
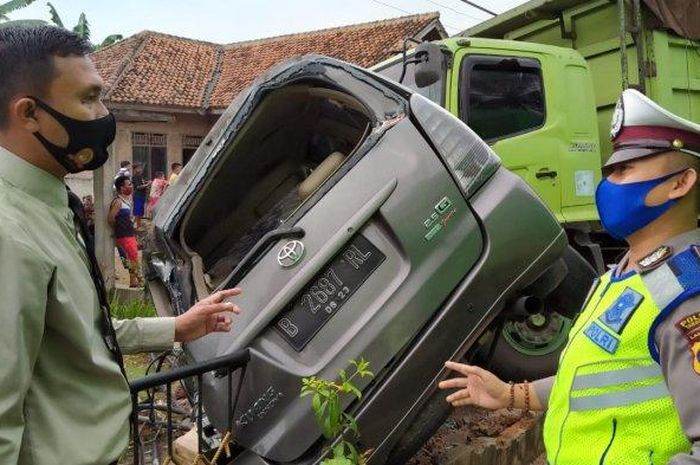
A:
{"points": [[225, 21]]}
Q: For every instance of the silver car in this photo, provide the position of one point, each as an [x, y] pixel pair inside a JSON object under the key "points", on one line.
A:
{"points": [[361, 220]]}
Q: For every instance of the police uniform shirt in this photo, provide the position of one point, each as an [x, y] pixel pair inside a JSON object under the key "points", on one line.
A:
{"points": [[63, 399], [678, 358]]}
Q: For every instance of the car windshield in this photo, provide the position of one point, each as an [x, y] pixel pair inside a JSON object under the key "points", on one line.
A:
{"points": [[393, 71]]}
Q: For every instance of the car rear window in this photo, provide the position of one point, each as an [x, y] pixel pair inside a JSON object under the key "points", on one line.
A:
{"points": [[294, 143]]}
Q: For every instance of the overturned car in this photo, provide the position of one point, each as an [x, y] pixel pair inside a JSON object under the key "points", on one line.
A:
{"points": [[361, 220]]}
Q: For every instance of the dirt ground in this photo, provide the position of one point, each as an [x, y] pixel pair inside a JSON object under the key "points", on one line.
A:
{"points": [[468, 432], [471, 437]]}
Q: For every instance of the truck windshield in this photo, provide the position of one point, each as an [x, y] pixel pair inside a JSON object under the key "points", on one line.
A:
{"points": [[393, 71]]}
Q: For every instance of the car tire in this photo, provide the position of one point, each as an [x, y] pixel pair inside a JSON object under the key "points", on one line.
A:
{"points": [[518, 353], [510, 364]]}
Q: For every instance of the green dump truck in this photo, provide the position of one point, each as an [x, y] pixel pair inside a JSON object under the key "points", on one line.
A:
{"points": [[539, 83]]}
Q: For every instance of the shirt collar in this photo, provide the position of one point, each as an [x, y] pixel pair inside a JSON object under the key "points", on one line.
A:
{"points": [[683, 241], [677, 243], [32, 180]]}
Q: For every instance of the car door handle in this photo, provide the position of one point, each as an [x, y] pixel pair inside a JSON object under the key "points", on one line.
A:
{"points": [[545, 173]]}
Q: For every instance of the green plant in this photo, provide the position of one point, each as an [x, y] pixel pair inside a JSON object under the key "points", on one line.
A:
{"points": [[12, 5], [131, 309], [82, 28], [326, 401]]}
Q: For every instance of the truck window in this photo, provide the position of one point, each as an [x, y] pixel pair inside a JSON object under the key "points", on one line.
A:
{"points": [[501, 96], [432, 92]]}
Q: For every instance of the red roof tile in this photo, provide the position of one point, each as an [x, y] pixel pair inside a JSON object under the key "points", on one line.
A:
{"points": [[155, 69]]}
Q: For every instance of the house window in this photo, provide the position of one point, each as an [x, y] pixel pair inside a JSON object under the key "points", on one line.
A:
{"points": [[151, 151], [189, 147], [501, 96]]}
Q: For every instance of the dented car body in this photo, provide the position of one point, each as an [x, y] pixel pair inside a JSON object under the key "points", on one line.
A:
{"points": [[361, 220]]}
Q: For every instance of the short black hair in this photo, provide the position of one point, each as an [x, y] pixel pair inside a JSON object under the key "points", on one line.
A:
{"points": [[175, 165], [119, 182], [124, 163], [27, 60]]}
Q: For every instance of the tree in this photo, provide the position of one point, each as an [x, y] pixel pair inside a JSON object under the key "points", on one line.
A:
{"points": [[82, 28], [12, 5], [8, 7]]}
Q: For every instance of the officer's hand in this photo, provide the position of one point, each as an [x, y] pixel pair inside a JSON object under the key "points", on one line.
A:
{"points": [[478, 387], [206, 316]]}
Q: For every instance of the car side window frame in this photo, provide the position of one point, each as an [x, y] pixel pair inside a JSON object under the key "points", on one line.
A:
{"points": [[467, 65], [441, 85]]}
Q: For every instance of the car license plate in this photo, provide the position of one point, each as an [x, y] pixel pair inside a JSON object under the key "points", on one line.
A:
{"points": [[328, 291]]}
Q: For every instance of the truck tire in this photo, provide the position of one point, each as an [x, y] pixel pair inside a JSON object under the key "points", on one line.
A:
{"points": [[529, 348]]}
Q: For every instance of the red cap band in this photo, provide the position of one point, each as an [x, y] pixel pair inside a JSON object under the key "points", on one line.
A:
{"points": [[630, 133]]}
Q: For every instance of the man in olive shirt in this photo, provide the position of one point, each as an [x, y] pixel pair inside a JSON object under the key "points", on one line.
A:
{"points": [[63, 397]]}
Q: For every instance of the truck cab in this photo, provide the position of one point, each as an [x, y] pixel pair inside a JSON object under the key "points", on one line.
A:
{"points": [[532, 103]]}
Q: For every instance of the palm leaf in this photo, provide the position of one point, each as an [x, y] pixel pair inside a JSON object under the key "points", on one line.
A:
{"points": [[13, 5], [55, 18], [83, 27], [109, 40], [24, 23]]}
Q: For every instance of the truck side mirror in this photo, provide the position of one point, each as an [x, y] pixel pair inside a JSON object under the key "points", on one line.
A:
{"points": [[428, 69]]}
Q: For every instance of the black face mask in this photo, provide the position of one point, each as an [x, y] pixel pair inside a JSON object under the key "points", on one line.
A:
{"points": [[87, 140]]}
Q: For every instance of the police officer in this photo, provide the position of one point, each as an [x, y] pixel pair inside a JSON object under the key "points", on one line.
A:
{"points": [[627, 390], [64, 398]]}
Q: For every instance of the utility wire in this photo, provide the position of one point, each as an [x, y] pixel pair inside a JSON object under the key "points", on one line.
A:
{"points": [[479, 7], [453, 10], [409, 13], [394, 7]]}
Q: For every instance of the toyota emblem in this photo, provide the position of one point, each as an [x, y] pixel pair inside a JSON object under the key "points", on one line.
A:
{"points": [[290, 254]]}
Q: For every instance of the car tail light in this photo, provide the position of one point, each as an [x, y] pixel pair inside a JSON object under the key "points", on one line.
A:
{"points": [[470, 160]]}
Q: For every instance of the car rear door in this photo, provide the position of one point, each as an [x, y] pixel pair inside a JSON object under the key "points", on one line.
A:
{"points": [[383, 246]]}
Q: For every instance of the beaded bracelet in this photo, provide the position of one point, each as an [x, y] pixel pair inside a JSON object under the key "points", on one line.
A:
{"points": [[512, 395], [526, 386]]}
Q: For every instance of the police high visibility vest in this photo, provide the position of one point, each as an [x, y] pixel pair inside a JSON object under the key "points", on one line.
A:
{"points": [[609, 403]]}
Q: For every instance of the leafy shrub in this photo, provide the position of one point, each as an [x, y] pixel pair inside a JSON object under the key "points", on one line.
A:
{"points": [[335, 424]]}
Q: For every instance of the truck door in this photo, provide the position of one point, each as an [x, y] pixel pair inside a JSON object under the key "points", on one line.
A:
{"points": [[502, 99]]}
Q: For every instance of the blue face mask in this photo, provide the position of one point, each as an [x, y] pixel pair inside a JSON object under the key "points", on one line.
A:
{"points": [[621, 206]]}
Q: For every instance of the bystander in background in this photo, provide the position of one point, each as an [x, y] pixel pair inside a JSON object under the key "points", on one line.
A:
{"points": [[121, 219], [124, 169], [158, 186], [175, 168], [89, 209], [141, 187]]}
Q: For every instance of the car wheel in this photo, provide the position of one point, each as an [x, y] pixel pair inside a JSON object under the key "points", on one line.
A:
{"points": [[529, 347]]}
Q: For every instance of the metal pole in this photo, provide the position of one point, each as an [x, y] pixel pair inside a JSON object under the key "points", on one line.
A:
{"points": [[639, 44], [104, 242], [623, 44], [135, 426]]}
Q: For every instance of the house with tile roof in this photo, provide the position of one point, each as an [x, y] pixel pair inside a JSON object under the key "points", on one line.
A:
{"points": [[167, 92]]}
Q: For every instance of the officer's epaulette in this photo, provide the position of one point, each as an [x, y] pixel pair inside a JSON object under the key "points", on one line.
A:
{"points": [[670, 283], [654, 259]]}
